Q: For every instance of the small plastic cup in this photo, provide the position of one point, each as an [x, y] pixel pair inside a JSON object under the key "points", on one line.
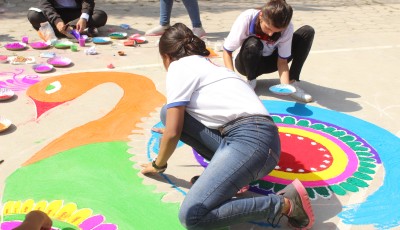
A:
{"points": [[82, 42], [74, 48]]}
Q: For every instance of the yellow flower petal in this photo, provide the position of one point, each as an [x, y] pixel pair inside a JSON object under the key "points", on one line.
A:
{"points": [[66, 211], [17, 207], [79, 216], [53, 208], [41, 205], [27, 206], [8, 207]]}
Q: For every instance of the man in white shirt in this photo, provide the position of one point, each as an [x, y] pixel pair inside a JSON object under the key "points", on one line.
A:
{"points": [[65, 15]]}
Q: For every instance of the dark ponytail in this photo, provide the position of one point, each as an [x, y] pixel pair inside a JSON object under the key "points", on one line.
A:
{"points": [[179, 41]]}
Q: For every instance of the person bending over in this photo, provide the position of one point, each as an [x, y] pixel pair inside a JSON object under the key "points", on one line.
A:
{"points": [[232, 129], [267, 43]]}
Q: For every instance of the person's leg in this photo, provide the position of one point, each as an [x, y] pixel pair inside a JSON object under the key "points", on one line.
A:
{"points": [[301, 46], [192, 7], [165, 16], [165, 11], [204, 140], [249, 151], [250, 62], [98, 19], [35, 18]]}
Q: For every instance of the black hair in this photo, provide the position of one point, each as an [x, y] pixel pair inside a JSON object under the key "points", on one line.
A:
{"points": [[178, 41]]}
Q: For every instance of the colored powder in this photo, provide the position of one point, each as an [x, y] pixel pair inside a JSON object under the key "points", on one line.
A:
{"points": [[282, 90], [14, 46], [38, 45], [2, 126], [43, 68]]}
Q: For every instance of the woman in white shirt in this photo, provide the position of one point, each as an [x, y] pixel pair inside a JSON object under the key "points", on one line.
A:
{"points": [[213, 110], [267, 43]]}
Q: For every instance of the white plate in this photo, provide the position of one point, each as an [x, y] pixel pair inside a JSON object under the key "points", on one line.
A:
{"points": [[6, 93], [4, 124], [118, 35], [62, 44], [40, 45], [15, 46], [20, 60], [101, 40], [59, 61], [42, 68], [282, 89]]}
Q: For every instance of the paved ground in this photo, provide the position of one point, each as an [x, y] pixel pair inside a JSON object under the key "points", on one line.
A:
{"points": [[352, 67]]}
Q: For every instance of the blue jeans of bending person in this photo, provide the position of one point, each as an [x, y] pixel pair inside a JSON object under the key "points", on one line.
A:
{"points": [[191, 6], [243, 151]]}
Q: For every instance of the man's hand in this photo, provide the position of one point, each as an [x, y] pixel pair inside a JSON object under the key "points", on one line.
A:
{"points": [[64, 29], [60, 25], [81, 25]]}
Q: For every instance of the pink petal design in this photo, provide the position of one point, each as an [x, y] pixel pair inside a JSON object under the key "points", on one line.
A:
{"points": [[10, 225], [91, 222], [106, 227]]}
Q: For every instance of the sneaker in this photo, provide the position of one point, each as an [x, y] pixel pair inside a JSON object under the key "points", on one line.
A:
{"points": [[300, 213], [252, 83], [199, 32], [157, 31], [300, 94]]}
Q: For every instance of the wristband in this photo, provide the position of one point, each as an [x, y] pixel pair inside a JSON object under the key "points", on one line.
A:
{"points": [[158, 168]]}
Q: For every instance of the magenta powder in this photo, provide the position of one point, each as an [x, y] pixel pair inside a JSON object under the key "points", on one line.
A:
{"points": [[43, 68], [14, 46]]}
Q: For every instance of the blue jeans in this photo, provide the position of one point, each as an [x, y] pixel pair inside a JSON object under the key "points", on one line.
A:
{"points": [[243, 151], [191, 6]]}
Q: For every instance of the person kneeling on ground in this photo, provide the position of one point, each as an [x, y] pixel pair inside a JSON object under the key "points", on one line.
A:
{"points": [[66, 15], [232, 129]]}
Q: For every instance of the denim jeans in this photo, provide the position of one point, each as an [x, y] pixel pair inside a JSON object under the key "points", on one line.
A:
{"points": [[243, 151], [250, 62], [191, 6]]}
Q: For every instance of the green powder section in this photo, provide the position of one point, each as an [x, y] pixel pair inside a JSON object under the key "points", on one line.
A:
{"points": [[99, 177]]}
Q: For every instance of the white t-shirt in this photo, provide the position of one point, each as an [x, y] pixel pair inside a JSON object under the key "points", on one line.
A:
{"points": [[212, 94], [243, 27]]}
